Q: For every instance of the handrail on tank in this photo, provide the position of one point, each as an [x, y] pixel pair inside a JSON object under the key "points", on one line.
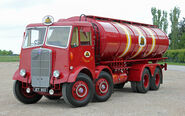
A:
{"points": [[135, 60], [84, 16], [119, 21]]}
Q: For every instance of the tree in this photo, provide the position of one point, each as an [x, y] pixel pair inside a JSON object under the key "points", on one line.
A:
{"points": [[181, 34], [174, 18], [4, 52], [165, 21], [160, 18]]}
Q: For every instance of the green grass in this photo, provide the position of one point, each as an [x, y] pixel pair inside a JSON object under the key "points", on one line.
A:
{"points": [[173, 63], [9, 58]]}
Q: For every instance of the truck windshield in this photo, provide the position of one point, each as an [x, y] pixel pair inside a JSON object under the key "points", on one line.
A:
{"points": [[58, 36], [34, 37]]}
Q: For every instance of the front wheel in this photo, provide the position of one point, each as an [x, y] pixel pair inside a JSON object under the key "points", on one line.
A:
{"points": [[103, 87], [24, 97], [80, 92]]}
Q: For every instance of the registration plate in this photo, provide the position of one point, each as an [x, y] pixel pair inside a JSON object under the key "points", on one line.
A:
{"points": [[40, 89]]}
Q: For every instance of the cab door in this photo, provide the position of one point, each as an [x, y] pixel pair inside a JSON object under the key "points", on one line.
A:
{"points": [[86, 47], [82, 48]]}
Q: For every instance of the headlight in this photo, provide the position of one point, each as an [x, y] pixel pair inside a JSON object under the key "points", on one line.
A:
{"points": [[22, 72], [56, 73]]}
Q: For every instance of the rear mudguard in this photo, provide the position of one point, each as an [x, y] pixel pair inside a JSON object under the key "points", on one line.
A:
{"points": [[135, 72]]}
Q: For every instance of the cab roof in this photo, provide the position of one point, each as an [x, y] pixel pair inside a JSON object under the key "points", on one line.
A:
{"points": [[64, 23]]}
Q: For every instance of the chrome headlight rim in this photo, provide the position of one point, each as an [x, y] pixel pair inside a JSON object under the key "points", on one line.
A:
{"points": [[22, 72], [56, 73]]}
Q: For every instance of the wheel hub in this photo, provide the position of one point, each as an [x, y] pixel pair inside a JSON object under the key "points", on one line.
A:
{"points": [[80, 90], [146, 80], [102, 86]]}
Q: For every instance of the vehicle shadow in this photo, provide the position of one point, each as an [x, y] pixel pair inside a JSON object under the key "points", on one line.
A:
{"points": [[125, 90], [53, 104], [60, 103]]}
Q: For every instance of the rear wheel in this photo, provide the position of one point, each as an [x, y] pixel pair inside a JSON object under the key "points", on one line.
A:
{"points": [[144, 85], [53, 97], [80, 92], [156, 79], [134, 86], [103, 87], [24, 97]]}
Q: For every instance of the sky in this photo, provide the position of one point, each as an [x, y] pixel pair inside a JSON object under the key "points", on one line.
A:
{"points": [[16, 14]]}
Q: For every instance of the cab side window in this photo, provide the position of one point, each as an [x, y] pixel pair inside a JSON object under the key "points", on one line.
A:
{"points": [[85, 37], [75, 41]]}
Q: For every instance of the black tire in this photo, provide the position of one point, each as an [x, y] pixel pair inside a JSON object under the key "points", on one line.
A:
{"points": [[52, 97], [105, 81], [119, 86], [156, 79], [144, 85], [22, 96], [70, 96], [134, 86]]}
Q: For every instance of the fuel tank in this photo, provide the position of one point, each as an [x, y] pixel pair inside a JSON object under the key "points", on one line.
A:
{"points": [[128, 40]]}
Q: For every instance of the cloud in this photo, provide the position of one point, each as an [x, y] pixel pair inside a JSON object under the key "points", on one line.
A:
{"points": [[22, 4]]}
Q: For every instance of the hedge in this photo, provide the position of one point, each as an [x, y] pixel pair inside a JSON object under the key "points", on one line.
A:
{"points": [[6, 58], [175, 55]]}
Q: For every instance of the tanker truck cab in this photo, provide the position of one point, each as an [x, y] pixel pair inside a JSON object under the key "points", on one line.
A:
{"points": [[54, 54]]}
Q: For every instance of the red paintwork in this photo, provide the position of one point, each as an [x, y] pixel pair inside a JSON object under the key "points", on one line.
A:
{"points": [[113, 38], [100, 68], [101, 91], [74, 73], [80, 90], [157, 79], [146, 80], [135, 72], [113, 42], [119, 78]]}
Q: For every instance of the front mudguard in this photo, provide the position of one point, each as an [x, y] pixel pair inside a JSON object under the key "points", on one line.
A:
{"points": [[18, 77], [74, 74]]}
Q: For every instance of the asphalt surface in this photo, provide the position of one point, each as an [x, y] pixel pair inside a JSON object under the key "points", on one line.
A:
{"points": [[169, 100]]}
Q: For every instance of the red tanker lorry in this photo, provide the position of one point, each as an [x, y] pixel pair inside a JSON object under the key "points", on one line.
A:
{"points": [[84, 58]]}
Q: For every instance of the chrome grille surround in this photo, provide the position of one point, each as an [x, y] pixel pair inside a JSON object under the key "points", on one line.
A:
{"points": [[41, 60]]}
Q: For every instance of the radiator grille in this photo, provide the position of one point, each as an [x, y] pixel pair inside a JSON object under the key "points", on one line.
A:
{"points": [[41, 67]]}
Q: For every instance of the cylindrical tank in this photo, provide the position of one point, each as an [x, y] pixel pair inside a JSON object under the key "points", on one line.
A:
{"points": [[128, 40]]}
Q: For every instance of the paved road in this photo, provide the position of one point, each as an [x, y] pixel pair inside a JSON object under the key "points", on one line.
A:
{"points": [[169, 100], [176, 68]]}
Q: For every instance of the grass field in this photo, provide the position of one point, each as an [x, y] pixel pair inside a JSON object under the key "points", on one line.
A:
{"points": [[9, 58], [175, 63]]}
